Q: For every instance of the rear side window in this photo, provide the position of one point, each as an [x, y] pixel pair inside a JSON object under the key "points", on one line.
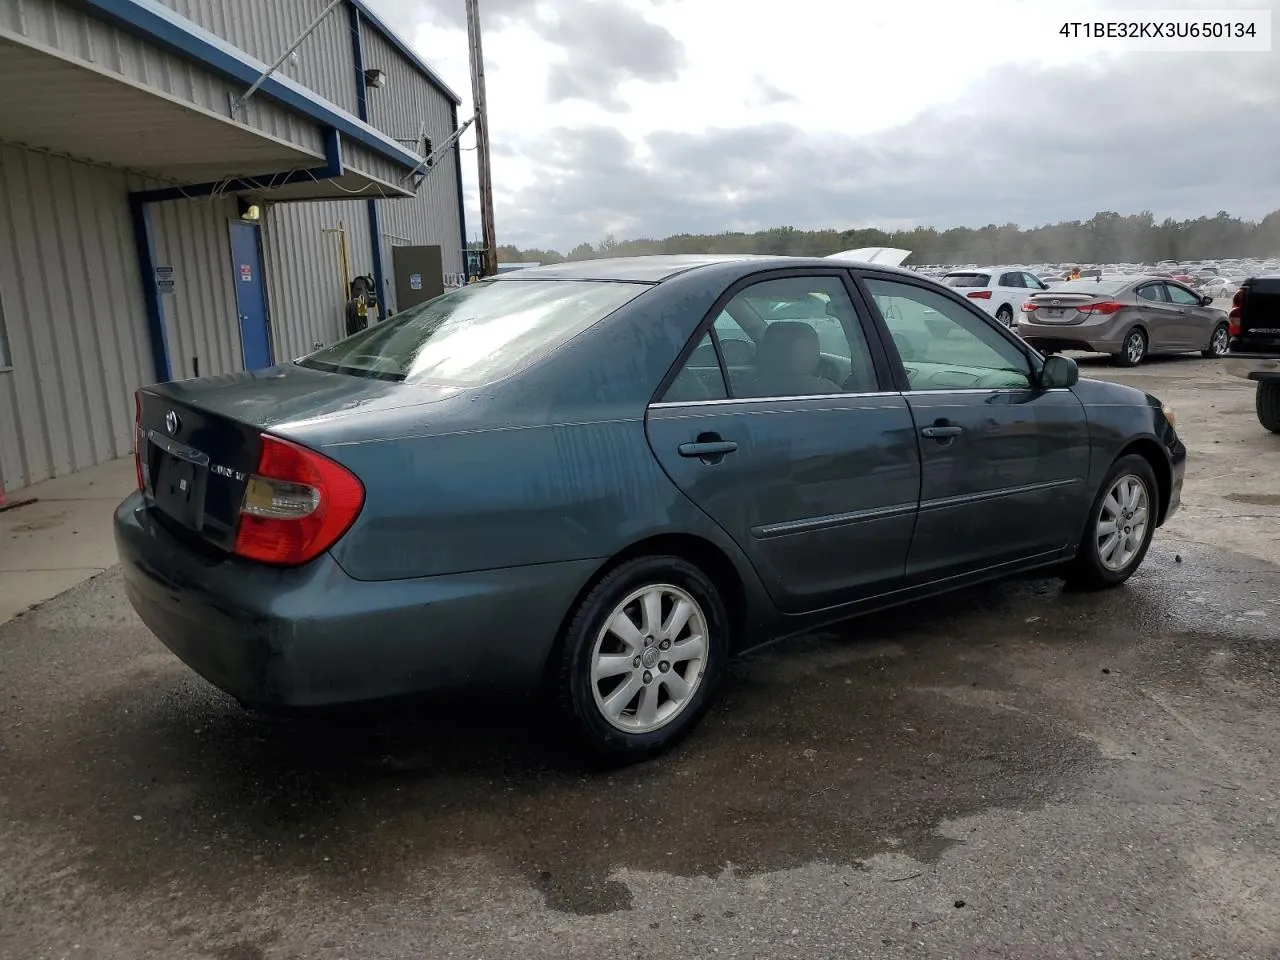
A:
{"points": [[967, 279], [1153, 292], [477, 334]]}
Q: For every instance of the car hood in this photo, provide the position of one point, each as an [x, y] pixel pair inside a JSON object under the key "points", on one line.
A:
{"points": [[892, 256]]}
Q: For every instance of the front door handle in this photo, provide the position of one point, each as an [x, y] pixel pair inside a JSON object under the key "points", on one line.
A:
{"points": [[707, 448], [941, 431]]}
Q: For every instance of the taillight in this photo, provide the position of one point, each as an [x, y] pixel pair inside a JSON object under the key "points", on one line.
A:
{"points": [[1234, 326], [979, 295], [296, 505], [1029, 307], [1104, 308], [139, 443]]}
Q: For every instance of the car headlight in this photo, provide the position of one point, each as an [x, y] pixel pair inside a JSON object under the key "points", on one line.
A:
{"points": [[1169, 415]]}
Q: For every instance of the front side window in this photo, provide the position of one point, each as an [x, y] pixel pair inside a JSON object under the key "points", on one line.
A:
{"points": [[944, 345], [477, 334], [807, 340], [1182, 297]]}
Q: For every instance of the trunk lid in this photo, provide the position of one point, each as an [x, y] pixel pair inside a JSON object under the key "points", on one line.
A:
{"points": [[1259, 316], [199, 440]]}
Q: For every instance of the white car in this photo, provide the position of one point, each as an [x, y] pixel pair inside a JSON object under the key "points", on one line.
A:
{"points": [[1000, 291]]}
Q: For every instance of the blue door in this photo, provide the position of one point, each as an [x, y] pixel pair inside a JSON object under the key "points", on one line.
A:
{"points": [[251, 295]]}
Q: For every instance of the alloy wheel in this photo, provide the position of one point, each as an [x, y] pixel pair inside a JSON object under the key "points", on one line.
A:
{"points": [[1122, 523], [649, 658]]}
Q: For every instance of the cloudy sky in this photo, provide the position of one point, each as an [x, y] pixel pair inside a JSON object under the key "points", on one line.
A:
{"points": [[644, 118]]}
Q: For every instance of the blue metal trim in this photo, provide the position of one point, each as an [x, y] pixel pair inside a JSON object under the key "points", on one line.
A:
{"points": [[160, 25], [357, 56], [371, 204], [418, 63], [462, 203], [139, 214]]}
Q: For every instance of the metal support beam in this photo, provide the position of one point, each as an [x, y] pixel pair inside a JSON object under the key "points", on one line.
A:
{"points": [[482, 139], [436, 155], [371, 204], [462, 202], [244, 98], [140, 215]]}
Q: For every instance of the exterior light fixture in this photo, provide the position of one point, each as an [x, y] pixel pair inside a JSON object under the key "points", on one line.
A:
{"points": [[374, 78], [249, 210]]}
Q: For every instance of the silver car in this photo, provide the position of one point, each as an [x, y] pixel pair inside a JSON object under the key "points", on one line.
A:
{"points": [[1128, 317]]}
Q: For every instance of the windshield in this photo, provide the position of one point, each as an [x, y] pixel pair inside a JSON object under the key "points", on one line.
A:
{"points": [[477, 334], [1101, 288], [967, 279]]}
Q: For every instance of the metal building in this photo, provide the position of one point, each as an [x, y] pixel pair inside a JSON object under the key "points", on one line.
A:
{"points": [[155, 226]]}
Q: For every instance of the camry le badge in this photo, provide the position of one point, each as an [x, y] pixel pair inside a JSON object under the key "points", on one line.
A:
{"points": [[171, 422]]}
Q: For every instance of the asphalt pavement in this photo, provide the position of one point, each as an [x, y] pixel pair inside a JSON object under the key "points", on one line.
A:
{"points": [[1014, 771]]}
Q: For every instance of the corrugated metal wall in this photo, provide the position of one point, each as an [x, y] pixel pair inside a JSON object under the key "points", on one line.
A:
{"points": [[265, 28], [72, 306], [193, 237], [59, 24], [404, 107], [307, 291]]}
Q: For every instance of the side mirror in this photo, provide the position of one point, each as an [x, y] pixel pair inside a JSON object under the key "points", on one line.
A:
{"points": [[1206, 300], [1059, 372]]}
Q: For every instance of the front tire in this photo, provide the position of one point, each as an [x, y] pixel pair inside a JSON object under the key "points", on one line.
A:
{"points": [[1122, 521], [1134, 350], [1267, 402], [642, 657], [1218, 343]]}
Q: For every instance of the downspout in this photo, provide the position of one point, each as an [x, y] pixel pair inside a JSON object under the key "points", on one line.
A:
{"points": [[462, 205], [139, 212], [371, 204]]}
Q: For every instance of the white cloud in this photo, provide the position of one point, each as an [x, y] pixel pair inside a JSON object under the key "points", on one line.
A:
{"points": [[886, 86]]}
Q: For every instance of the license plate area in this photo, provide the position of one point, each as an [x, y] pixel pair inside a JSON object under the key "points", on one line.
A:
{"points": [[1051, 313], [179, 479]]}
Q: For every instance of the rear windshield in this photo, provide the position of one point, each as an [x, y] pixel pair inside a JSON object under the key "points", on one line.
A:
{"points": [[1101, 288], [477, 334], [967, 279]]}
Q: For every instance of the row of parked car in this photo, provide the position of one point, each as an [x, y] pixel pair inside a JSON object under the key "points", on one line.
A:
{"points": [[1127, 315]]}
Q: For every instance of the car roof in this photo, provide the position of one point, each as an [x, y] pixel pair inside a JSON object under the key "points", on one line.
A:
{"points": [[659, 267]]}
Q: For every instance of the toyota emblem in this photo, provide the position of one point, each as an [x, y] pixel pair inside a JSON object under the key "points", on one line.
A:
{"points": [[172, 423]]}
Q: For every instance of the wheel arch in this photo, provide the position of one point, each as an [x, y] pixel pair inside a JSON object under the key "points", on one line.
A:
{"points": [[702, 553], [1149, 450]]}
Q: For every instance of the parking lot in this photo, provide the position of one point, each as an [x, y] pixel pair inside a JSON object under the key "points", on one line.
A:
{"points": [[1013, 771]]}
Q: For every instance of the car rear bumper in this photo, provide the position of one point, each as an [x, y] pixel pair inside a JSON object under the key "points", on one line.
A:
{"points": [[1252, 366], [313, 636], [1092, 338]]}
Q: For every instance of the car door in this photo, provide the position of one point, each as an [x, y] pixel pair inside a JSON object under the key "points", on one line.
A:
{"points": [[1003, 462], [1011, 290], [806, 455], [1194, 322], [1159, 316]]}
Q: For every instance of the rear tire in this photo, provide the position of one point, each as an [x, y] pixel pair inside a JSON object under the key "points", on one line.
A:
{"points": [[1122, 521], [1005, 315], [1267, 402], [1218, 343], [1134, 350], [642, 658]]}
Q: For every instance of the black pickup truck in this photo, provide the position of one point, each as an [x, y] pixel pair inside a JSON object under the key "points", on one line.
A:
{"points": [[1254, 349]]}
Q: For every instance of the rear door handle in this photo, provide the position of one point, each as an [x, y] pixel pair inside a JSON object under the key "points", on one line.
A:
{"points": [[941, 432], [707, 448]]}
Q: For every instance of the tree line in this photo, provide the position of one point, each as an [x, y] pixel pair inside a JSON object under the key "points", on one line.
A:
{"points": [[1107, 237]]}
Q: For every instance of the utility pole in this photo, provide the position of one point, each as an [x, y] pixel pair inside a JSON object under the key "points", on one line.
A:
{"points": [[490, 259]]}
